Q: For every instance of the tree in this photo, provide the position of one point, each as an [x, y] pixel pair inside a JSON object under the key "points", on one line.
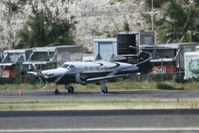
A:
{"points": [[126, 26], [45, 28], [180, 23]]}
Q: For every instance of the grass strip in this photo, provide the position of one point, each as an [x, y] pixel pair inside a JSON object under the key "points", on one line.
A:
{"points": [[124, 84], [96, 104]]}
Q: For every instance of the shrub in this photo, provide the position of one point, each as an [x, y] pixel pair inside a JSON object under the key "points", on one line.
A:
{"points": [[126, 26], [45, 28]]}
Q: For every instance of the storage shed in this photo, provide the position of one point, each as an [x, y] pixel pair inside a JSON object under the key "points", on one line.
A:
{"points": [[14, 57], [105, 49], [52, 57], [68, 53]]}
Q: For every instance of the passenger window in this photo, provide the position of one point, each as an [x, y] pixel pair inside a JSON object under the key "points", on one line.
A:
{"points": [[71, 67]]}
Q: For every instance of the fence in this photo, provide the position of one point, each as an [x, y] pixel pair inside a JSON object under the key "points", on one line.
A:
{"points": [[138, 77]]}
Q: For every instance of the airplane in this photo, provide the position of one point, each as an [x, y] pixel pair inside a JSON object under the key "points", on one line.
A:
{"points": [[83, 72]]}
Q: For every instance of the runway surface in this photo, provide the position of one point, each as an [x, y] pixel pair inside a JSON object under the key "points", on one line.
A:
{"points": [[126, 94], [110, 121], [120, 121]]}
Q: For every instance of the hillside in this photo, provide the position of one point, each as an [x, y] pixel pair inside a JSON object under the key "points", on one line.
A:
{"points": [[94, 18], [103, 19]]}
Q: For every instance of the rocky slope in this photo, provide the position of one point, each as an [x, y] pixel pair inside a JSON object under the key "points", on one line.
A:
{"points": [[95, 18]]}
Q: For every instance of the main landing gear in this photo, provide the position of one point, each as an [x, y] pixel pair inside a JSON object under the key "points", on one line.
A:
{"points": [[57, 91], [70, 89], [103, 88]]}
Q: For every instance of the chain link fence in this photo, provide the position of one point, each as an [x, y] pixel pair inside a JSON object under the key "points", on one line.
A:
{"points": [[137, 77], [175, 76]]}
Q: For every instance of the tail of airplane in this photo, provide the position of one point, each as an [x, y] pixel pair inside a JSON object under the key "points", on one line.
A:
{"points": [[144, 61]]}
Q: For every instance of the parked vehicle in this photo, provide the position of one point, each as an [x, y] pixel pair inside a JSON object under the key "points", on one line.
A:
{"points": [[7, 76]]}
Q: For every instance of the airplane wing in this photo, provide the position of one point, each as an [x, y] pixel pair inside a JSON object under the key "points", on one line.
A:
{"points": [[36, 74], [105, 78], [32, 73]]}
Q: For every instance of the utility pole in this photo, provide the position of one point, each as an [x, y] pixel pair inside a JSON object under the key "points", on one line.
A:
{"points": [[152, 21], [152, 17]]}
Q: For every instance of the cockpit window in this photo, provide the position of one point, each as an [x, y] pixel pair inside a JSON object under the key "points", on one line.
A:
{"points": [[71, 66], [68, 66], [65, 66]]}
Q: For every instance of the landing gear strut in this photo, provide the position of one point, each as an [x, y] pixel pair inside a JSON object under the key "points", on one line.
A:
{"points": [[103, 88], [70, 89]]}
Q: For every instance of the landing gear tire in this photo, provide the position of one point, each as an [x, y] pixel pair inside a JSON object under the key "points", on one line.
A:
{"points": [[71, 90], [57, 92], [104, 90]]}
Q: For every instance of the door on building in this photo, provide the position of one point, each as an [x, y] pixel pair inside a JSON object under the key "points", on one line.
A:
{"points": [[106, 50]]}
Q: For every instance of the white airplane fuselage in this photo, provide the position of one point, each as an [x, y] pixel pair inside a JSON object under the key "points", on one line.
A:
{"points": [[98, 72], [86, 72]]}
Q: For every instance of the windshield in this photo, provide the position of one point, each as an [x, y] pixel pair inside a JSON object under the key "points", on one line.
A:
{"points": [[65, 65]]}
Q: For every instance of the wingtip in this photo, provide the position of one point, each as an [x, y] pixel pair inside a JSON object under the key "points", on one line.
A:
{"points": [[32, 73]]}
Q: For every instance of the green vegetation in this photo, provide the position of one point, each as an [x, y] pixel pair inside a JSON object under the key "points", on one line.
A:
{"points": [[196, 2], [115, 1], [120, 85], [95, 32], [126, 26], [45, 28], [110, 34], [180, 23], [96, 103]]}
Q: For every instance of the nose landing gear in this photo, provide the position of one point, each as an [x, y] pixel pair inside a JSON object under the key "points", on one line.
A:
{"points": [[103, 88]]}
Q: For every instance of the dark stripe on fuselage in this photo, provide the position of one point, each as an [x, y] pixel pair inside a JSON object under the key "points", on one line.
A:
{"points": [[100, 64], [116, 65], [95, 74], [126, 72], [71, 78]]}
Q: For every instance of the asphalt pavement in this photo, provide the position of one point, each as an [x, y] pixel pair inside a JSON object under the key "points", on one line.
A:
{"points": [[119, 93], [111, 121]]}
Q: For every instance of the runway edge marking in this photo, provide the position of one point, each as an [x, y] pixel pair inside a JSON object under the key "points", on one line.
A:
{"points": [[101, 129]]}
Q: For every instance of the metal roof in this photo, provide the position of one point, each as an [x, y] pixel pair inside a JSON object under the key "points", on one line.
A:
{"points": [[162, 60], [16, 50], [191, 53], [6, 64], [105, 40], [37, 62]]}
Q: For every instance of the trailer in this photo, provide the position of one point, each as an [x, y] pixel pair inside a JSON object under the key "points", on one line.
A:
{"points": [[191, 65]]}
